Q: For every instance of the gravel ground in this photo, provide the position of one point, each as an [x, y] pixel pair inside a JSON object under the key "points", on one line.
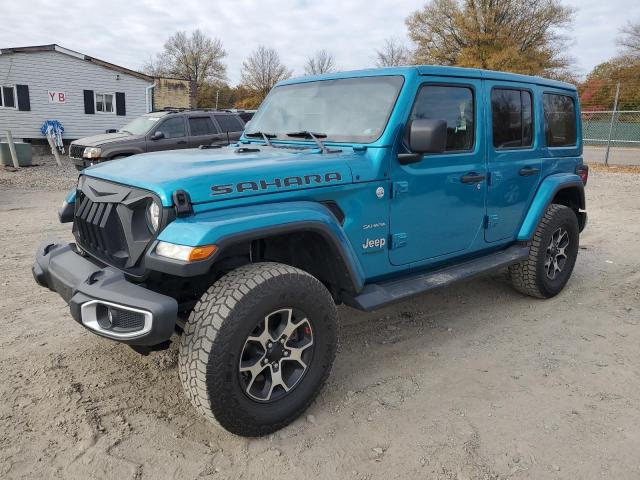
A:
{"points": [[44, 174], [473, 382]]}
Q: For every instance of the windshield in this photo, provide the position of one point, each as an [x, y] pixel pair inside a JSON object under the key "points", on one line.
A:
{"points": [[351, 110], [141, 125]]}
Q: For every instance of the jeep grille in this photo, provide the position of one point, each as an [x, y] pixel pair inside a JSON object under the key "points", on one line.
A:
{"points": [[110, 222]]}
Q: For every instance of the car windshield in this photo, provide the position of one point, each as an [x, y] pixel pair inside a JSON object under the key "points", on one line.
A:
{"points": [[350, 110], [141, 125]]}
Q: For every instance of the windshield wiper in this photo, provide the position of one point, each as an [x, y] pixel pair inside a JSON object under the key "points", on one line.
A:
{"points": [[314, 136], [265, 136]]}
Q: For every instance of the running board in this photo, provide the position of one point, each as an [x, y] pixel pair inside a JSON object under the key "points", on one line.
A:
{"points": [[378, 295]]}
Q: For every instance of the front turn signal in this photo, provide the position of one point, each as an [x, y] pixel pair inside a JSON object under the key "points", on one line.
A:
{"points": [[202, 253]]}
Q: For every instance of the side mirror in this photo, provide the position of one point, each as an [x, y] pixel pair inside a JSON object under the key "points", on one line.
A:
{"points": [[157, 135], [426, 135]]}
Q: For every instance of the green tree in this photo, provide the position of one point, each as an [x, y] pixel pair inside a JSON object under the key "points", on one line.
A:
{"points": [[522, 36]]}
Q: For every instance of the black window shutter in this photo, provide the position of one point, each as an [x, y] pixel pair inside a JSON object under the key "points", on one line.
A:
{"points": [[89, 103], [24, 103], [121, 108]]}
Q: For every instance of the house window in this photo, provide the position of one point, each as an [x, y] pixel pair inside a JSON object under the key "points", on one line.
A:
{"points": [[7, 97], [105, 103]]}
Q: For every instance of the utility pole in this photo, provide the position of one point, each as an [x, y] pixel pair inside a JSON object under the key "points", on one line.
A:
{"points": [[613, 116], [217, 96]]}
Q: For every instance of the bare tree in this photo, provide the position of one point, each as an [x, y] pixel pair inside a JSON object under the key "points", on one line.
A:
{"points": [[523, 36], [630, 39], [194, 57], [321, 62], [262, 70], [393, 54]]}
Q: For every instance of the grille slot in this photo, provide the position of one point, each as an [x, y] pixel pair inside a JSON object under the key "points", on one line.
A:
{"points": [[76, 151]]}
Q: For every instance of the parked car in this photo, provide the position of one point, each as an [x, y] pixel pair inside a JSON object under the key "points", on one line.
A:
{"points": [[363, 188], [168, 130]]}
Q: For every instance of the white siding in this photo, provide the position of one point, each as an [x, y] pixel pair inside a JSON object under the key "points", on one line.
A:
{"points": [[44, 71]]}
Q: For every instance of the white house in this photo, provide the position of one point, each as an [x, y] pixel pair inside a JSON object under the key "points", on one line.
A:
{"points": [[86, 95]]}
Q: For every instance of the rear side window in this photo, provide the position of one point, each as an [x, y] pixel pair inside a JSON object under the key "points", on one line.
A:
{"points": [[559, 120], [512, 118], [173, 127], [229, 123], [452, 104], [201, 126]]}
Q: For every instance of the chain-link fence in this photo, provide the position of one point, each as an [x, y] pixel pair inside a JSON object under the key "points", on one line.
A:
{"points": [[612, 136], [611, 121]]}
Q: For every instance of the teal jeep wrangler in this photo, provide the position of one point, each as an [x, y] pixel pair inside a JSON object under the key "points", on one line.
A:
{"points": [[362, 188]]}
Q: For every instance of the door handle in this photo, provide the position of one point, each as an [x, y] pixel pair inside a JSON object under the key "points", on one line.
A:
{"points": [[472, 177], [528, 171]]}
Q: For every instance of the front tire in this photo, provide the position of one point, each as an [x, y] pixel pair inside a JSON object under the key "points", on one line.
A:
{"points": [[258, 347], [552, 254]]}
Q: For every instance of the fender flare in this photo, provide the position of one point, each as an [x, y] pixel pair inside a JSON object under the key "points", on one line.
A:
{"points": [[548, 189], [227, 227]]}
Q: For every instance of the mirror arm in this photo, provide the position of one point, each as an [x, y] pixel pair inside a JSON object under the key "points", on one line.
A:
{"points": [[408, 158]]}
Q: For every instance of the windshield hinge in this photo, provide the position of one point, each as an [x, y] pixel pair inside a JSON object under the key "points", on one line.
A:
{"points": [[182, 202]]}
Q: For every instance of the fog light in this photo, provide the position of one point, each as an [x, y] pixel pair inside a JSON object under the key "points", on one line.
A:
{"points": [[106, 317]]}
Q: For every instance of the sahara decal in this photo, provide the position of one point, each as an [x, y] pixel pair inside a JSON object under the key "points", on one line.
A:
{"points": [[276, 183]]}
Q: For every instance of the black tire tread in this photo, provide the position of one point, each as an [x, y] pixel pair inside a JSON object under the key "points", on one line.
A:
{"points": [[523, 275], [204, 328]]}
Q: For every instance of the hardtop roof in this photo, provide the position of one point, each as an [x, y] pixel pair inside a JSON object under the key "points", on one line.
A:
{"points": [[437, 70]]}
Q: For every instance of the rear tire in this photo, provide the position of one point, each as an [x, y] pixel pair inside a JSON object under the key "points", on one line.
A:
{"points": [[239, 351], [552, 255]]}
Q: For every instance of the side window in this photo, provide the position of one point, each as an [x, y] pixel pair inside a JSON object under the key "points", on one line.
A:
{"points": [[452, 104], [173, 127], [229, 123], [201, 126], [559, 120], [512, 118]]}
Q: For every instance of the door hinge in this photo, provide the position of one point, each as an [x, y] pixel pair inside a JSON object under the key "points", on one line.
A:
{"points": [[490, 221], [489, 179], [399, 188], [398, 240]]}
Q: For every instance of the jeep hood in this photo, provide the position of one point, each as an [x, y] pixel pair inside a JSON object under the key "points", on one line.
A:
{"points": [[105, 138], [220, 174]]}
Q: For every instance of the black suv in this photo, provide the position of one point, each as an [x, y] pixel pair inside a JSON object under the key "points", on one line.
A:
{"points": [[167, 130]]}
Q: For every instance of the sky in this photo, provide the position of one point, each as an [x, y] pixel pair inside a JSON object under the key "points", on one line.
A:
{"points": [[129, 32]]}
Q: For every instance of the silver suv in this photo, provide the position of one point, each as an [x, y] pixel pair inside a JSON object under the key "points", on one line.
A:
{"points": [[151, 132]]}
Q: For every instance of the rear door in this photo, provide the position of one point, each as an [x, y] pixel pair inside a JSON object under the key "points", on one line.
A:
{"points": [[514, 157], [202, 130], [230, 125], [174, 132]]}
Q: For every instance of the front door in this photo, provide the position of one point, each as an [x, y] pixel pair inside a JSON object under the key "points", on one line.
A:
{"points": [[437, 205], [513, 157]]}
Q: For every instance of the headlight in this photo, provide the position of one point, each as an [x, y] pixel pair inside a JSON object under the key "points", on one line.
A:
{"points": [[153, 216], [184, 252], [92, 152]]}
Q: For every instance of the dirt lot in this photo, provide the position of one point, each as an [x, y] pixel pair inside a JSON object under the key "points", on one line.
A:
{"points": [[475, 382]]}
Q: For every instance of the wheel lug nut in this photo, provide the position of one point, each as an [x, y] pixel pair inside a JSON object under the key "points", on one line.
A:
{"points": [[282, 340], [286, 354]]}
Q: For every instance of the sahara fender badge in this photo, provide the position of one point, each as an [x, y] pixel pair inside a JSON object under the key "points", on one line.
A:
{"points": [[379, 192]]}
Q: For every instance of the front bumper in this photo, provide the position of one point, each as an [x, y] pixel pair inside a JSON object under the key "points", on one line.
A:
{"points": [[90, 288]]}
